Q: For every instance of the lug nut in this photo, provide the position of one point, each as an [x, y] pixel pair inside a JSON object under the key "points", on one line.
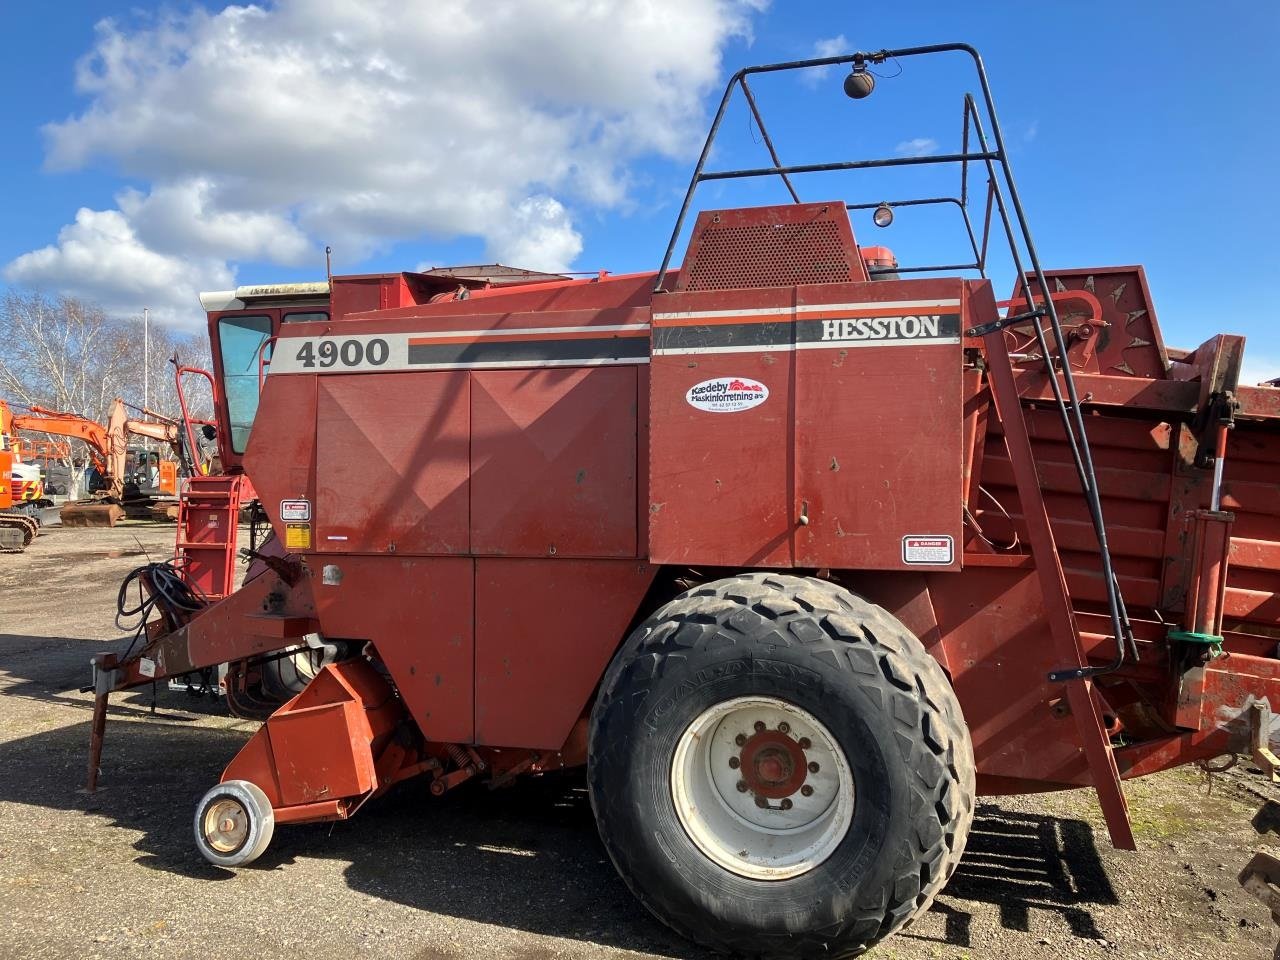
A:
{"points": [[759, 725], [762, 802], [813, 766], [742, 786], [784, 727], [806, 791], [740, 739], [734, 763], [804, 743], [786, 803]]}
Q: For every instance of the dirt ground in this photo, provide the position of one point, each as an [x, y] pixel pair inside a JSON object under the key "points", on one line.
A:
{"points": [[516, 874]]}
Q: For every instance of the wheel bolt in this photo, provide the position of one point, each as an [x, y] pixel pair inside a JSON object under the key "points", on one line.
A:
{"points": [[759, 725], [742, 786], [804, 743], [806, 791], [784, 727], [786, 803], [762, 802], [734, 763], [813, 766], [740, 739]]}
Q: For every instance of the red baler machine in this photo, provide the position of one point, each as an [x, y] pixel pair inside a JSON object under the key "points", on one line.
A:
{"points": [[795, 549]]}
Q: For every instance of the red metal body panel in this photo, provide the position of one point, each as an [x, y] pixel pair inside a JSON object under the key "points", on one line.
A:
{"points": [[322, 745], [417, 612], [783, 480], [876, 464], [553, 462], [280, 455], [393, 465], [720, 485], [529, 644]]}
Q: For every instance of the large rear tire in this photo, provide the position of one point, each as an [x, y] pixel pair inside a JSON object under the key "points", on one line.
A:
{"points": [[778, 768]]}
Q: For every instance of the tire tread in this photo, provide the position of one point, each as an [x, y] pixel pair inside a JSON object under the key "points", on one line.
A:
{"points": [[930, 733]]}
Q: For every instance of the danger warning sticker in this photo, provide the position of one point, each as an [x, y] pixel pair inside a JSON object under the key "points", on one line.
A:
{"points": [[297, 536], [918, 548], [727, 394], [297, 511]]}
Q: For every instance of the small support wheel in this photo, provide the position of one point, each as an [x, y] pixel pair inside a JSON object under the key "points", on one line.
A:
{"points": [[234, 823]]}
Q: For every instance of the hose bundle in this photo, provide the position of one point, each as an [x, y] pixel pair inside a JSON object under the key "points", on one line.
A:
{"points": [[162, 587]]}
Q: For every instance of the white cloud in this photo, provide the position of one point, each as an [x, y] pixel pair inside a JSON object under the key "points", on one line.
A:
{"points": [[919, 147], [268, 132], [100, 258], [830, 47]]}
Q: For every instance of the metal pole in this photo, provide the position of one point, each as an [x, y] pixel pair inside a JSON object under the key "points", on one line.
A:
{"points": [[146, 366]]}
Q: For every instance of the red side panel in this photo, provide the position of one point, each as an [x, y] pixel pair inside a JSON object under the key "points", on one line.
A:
{"points": [[553, 461], [816, 426], [529, 645], [417, 612], [282, 448], [879, 460], [392, 463], [719, 478]]}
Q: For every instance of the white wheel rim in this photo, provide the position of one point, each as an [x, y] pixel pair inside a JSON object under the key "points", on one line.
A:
{"points": [[762, 788]]}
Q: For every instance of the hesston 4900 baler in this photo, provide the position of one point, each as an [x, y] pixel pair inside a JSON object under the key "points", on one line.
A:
{"points": [[795, 555]]}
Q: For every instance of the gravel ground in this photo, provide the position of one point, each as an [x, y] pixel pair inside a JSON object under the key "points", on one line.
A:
{"points": [[516, 874]]}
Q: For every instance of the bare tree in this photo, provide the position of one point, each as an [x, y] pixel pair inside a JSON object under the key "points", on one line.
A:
{"points": [[68, 355]]}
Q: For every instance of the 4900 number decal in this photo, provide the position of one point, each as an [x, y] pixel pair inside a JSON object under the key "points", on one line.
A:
{"points": [[345, 353]]}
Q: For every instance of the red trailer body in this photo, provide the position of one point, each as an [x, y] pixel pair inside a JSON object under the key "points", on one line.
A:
{"points": [[477, 494]]}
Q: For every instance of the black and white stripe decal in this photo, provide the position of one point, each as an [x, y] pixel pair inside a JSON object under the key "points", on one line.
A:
{"points": [[463, 349], [815, 326]]}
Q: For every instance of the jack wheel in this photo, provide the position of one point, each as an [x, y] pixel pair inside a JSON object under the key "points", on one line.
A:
{"points": [[234, 823]]}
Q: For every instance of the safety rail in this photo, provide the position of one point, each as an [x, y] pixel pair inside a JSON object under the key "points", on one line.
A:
{"points": [[1041, 306]]}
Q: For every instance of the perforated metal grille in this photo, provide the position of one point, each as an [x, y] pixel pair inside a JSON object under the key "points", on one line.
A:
{"points": [[767, 255]]}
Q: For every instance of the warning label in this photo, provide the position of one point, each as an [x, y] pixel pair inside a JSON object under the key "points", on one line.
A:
{"points": [[297, 536], [727, 394], [297, 511], [918, 548]]}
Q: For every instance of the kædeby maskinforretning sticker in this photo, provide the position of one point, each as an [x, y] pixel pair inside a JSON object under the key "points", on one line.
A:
{"points": [[727, 394]]}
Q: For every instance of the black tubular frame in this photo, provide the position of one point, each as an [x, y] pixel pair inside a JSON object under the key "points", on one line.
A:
{"points": [[994, 158]]}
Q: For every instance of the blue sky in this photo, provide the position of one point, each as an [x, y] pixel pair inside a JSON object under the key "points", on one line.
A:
{"points": [[1130, 146]]}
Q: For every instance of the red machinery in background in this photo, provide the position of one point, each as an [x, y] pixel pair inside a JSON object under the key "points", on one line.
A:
{"points": [[798, 551]]}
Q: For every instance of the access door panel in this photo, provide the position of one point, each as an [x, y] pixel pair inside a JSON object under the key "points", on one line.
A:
{"points": [[553, 462], [879, 439], [392, 463], [721, 428]]}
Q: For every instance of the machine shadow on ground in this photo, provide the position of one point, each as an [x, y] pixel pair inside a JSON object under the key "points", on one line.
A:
{"points": [[526, 857]]}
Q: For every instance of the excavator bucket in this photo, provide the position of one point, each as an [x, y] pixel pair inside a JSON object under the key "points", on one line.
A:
{"points": [[90, 513]]}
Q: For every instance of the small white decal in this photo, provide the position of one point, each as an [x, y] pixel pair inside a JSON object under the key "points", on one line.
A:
{"points": [[147, 667], [299, 511], [928, 549], [727, 394]]}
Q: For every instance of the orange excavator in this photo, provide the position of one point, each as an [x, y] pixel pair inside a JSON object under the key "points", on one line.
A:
{"points": [[131, 477]]}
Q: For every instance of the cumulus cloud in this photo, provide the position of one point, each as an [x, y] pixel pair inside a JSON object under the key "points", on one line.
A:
{"points": [[919, 147], [264, 133], [100, 257], [829, 47]]}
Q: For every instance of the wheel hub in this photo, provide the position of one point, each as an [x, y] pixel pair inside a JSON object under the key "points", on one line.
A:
{"points": [[226, 825], [773, 765]]}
